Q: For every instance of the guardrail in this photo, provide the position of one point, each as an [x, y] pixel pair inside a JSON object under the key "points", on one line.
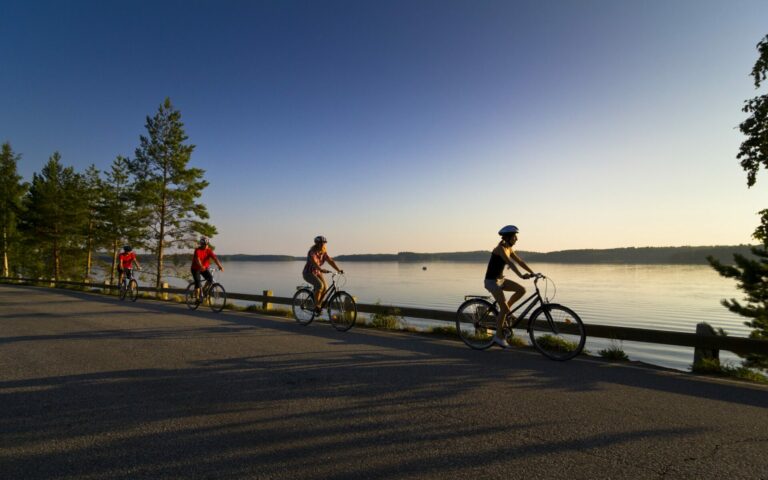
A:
{"points": [[717, 342]]}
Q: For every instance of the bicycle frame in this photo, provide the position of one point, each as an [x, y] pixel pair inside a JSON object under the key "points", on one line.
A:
{"points": [[535, 299], [328, 291]]}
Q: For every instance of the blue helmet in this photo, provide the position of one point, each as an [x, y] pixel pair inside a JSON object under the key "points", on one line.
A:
{"points": [[508, 230], [320, 239], [127, 248]]}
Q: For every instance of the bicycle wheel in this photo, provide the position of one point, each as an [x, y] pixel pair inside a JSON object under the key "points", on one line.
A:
{"points": [[217, 297], [190, 298], [557, 332], [133, 290], [122, 291], [342, 311], [476, 323], [303, 306]]}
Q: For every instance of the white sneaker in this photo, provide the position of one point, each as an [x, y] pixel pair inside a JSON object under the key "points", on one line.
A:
{"points": [[500, 342]]}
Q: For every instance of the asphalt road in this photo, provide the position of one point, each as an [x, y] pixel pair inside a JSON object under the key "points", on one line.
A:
{"points": [[95, 388]]}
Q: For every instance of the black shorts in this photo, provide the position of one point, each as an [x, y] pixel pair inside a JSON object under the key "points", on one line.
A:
{"points": [[205, 274], [128, 272]]}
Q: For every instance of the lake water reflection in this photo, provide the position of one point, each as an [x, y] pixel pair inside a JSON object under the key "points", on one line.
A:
{"points": [[662, 297]]}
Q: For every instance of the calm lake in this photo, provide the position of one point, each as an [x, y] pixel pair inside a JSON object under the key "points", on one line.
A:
{"points": [[661, 297]]}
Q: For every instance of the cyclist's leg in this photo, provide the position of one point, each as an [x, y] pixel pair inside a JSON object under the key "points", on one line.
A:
{"points": [[208, 279], [196, 279], [119, 276], [318, 285], [498, 294], [128, 274], [510, 286]]}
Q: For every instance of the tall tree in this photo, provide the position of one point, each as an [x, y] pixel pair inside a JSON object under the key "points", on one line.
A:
{"points": [[120, 218], [91, 193], [169, 186], [51, 216], [11, 193], [752, 274]]}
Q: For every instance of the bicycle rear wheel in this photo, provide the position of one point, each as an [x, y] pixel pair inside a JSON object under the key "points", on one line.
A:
{"points": [[342, 311], [133, 290], [557, 332], [303, 306], [190, 298], [476, 323], [217, 297], [122, 291]]}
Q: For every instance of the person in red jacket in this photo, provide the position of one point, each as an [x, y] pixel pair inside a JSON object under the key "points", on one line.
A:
{"points": [[201, 261], [125, 262]]}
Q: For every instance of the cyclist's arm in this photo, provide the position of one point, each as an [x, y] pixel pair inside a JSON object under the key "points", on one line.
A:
{"points": [[520, 261], [333, 264], [136, 262], [510, 263], [196, 261]]}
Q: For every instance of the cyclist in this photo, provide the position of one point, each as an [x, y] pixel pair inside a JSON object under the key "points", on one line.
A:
{"points": [[125, 262], [496, 283], [201, 261], [313, 271]]}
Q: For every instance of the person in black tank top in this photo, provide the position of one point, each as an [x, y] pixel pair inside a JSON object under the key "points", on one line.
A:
{"points": [[495, 282]]}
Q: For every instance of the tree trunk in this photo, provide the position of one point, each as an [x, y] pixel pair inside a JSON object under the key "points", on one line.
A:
{"points": [[56, 259], [114, 263], [6, 272], [89, 246]]}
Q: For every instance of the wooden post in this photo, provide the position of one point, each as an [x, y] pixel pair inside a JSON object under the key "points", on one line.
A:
{"points": [[164, 295], [266, 305], [700, 354]]}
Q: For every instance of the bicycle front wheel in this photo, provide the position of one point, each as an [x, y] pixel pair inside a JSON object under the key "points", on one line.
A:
{"points": [[190, 298], [217, 297], [342, 311], [557, 332], [133, 290], [303, 306], [123, 291], [476, 323]]}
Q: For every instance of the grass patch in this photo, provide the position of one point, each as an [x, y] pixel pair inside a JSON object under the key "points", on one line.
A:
{"points": [[709, 366], [444, 330], [614, 352], [277, 312], [390, 320], [551, 342]]}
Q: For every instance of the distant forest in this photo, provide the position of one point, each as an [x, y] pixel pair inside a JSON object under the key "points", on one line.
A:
{"points": [[644, 255]]}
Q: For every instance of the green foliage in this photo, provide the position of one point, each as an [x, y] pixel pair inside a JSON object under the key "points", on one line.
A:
{"points": [[710, 366], [614, 352], [12, 190], [551, 342], [753, 152], [120, 218], [52, 219], [389, 320], [168, 187], [751, 274]]}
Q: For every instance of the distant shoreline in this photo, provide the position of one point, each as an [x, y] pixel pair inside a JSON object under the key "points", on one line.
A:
{"points": [[632, 255]]}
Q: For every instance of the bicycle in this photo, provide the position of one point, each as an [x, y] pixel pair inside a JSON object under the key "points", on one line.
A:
{"points": [[128, 288], [555, 330], [212, 293], [342, 310]]}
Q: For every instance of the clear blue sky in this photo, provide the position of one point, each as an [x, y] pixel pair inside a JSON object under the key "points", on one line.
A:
{"points": [[408, 125]]}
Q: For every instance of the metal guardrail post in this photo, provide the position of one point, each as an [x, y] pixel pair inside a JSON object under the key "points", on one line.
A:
{"points": [[266, 305]]}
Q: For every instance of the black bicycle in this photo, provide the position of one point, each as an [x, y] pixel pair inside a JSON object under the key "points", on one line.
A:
{"points": [[555, 330], [211, 293], [129, 288], [342, 310]]}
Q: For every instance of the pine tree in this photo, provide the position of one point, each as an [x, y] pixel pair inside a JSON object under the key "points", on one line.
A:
{"points": [[51, 217], [12, 191], [168, 186], [120, 220], [91, 193], [752, 275]]}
